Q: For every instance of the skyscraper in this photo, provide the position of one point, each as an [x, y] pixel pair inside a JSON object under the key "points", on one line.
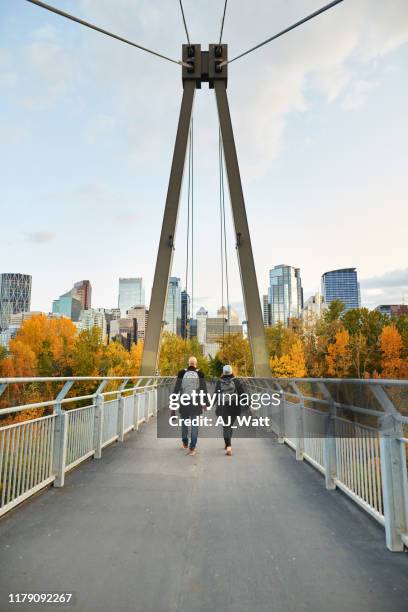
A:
{"points": [[15, 295], [131, 293], [185, 314], [68, 305], [201, 318], [172, 312], [341, 285], [285, 294], [83, 290]]}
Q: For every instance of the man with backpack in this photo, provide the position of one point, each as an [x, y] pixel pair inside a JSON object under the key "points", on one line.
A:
{"points": [[228, 391], [190, 382]]}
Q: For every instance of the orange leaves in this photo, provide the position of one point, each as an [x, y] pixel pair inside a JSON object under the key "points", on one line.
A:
{"points": [[339, 355], [393, 366]]}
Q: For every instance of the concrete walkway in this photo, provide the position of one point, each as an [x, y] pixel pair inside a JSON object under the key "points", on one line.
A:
{"points": [[149, 529]]}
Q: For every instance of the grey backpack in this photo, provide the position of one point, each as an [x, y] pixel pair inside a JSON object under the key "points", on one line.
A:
{"points": [[190, 382], [228, 392]]}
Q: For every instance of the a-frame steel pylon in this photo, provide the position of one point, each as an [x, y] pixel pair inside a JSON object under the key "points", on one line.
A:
{"points": [[205, 66]]}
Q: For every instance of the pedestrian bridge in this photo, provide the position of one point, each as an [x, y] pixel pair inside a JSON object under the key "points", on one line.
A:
{"points": [[290, 522]]}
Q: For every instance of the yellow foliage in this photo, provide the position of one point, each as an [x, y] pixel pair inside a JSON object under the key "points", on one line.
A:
{"points": [[292, 364], [339, 356], [392, 364], [236, 351]]}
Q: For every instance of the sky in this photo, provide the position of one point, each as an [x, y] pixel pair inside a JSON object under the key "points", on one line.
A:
{"points": [[87, 129]]}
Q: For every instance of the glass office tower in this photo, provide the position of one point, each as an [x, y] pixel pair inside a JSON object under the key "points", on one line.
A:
{"points": [[285, 294], [172, 312], [15, 296], [131, 293], [341, 285]]}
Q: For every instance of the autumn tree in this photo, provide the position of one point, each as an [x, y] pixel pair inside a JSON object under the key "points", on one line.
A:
{"points": [[279, 339], [392, 364], [174, 354], [236, 351], [292, 364], [87, 353], [339, 357], [135, 357]]}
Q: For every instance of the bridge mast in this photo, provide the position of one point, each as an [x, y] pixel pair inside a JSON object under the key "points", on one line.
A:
{"points": [[205, 66]]}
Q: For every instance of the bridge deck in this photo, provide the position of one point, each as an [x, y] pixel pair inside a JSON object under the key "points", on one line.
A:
{"points": [[148, 529]]}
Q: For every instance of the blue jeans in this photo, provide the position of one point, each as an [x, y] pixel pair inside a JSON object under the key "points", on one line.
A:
{"points": [[194, 435]]}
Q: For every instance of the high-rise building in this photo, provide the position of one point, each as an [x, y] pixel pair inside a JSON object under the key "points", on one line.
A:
{"points": [[393, 310], [68, 306], [131, 293], [219, 327], [313, 308], [201, 318], [15, 296], [341, 285], [93, 317], [141, 314], [83, 290], [285, 294], [172, 312], [185, 315]]}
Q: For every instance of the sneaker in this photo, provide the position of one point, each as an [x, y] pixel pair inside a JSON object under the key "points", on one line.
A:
{"points": [[185, 446], [192, 452], [228, 451]]}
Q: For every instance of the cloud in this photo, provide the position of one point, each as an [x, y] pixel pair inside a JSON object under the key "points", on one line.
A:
{"points": [[395, 278], [126, 218], [358, 95], [14, 133], [41, 237], [99, 126], [388, 288], [53, 69]]}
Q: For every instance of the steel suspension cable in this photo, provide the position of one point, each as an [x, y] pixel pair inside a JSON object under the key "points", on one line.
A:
{"points": [[188, 213], [225, 241], [87, 24], [221, 228], [285, 31], [192, 215], [224, 252], [223, 20], [184, 21]]}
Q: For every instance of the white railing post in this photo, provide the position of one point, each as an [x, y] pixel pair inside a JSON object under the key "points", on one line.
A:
{"points": [[60, 448], [60, 437], [147, 401], [300, 434], [136, 405], [329, 442], [98, 426], [394, 489], [98, 422], [281, 432], [121, 411], [393, 474], [155, 392]]}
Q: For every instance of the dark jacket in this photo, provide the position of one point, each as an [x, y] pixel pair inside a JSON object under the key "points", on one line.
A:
{"points": [[191, 411], [234, 408]]}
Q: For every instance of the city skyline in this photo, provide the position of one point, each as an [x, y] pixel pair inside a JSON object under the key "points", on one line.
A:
{"points": [[317, 165], [397, 278]]}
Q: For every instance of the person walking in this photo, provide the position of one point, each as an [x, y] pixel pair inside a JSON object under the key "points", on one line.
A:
{"points": [[228, 390], [190, 380]]}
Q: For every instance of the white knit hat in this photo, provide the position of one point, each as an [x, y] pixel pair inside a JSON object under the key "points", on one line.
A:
{"points": [[226, 370]]}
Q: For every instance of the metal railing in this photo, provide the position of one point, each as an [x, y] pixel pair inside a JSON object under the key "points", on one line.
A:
{"points": [[37, 452], [352, 431]]}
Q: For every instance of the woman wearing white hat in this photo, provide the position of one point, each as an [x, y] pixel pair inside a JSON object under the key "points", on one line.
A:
{"points": [[228, 391]]}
